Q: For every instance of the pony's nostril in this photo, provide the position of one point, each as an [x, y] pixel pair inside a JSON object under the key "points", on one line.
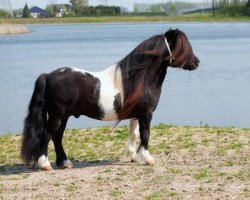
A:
{"points": [[197, 61]]}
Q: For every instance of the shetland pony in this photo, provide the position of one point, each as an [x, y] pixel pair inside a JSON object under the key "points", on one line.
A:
{"points": [[129, 89]]}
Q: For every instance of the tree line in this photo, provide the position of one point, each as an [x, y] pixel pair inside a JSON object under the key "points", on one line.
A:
{"points": [[231, 7], [169, 8], [81, 8]]}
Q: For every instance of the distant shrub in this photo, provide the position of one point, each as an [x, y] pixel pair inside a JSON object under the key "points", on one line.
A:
{"points": [[3, 13]]}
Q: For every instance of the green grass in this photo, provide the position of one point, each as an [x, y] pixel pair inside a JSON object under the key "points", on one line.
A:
{"points": [[114, 193], [72, 187], [162, 194], [202, 155], [153, 196], [203, 174], [114, 19], [100, 143]]}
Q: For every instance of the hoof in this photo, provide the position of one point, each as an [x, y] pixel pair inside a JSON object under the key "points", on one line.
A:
{"points": [[47, 168], [67, 164], [130, 154], [144, 157], [150, 162], [43, 163]]}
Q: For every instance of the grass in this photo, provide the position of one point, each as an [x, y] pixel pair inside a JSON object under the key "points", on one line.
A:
{"points": [[115, 193], [72, 187], [209, 158], [203, 174], [100, 143], [122, 19], [162, 194]]}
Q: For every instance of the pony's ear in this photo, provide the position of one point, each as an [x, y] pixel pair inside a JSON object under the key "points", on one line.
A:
{"points": [[171, 34], [176, 32]]}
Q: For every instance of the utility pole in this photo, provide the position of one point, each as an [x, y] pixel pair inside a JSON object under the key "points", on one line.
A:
{"points": [[6, 5]]}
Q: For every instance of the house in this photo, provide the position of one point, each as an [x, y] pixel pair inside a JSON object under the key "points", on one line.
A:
{"points": [[62, 9], [37, 12]]}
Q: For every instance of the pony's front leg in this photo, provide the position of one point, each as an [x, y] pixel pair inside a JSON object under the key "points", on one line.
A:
{"points": [[130, 151], [143, 153]]}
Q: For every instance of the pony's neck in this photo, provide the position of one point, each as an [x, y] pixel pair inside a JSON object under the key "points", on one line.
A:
{"points": [[159, 77]]}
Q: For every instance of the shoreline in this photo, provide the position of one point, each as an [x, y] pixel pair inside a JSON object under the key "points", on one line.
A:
{"points": [[127, 19], [17, 134]]}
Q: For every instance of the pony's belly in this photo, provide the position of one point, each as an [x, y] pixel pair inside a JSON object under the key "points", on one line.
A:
{"points": [[110, 116]]}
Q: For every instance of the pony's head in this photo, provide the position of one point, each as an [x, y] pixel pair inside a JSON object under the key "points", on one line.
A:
{"points": [[180, 53]]}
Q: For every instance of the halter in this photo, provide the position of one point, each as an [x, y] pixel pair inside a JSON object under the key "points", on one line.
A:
{"points": [[169, 51]]}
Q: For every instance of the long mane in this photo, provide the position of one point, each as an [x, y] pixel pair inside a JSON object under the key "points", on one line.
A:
{"points": [[138, 69], [141, 66]]}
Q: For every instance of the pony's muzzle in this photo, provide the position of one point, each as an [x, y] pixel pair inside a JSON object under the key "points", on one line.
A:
{"points": [[196, 62]]}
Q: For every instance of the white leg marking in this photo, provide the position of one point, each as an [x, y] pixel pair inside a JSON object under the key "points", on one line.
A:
{"points": [[134, 134], [43, 163], [67, 164], [144, 157]]}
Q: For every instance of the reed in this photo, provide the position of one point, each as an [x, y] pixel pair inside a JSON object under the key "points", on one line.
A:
{"points": [[9, 29]]}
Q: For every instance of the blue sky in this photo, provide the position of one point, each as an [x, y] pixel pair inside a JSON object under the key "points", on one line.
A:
{"points": [[127, 3]]}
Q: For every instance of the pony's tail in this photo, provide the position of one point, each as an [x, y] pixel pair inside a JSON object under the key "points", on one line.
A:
{"points": [[35, 124]]}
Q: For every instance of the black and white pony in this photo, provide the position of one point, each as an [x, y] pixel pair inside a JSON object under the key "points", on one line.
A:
{"points": [[129, 89]]}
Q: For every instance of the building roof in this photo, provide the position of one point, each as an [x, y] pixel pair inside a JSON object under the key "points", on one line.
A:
{"points": [[36, 9]]}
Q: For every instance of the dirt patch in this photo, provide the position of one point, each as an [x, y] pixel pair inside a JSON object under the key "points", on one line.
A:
{"points": [[191, 163]]}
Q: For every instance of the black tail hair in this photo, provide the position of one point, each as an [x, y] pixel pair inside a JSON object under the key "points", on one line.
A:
{"points": [[35, 124]]}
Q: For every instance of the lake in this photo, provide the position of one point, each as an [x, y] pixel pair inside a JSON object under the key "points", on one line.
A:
{"points": [[217, 93]]}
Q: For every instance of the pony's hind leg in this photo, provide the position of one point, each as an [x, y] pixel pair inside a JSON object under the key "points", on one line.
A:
{"points": [[43, 161], [61, 157], [134, 134]]}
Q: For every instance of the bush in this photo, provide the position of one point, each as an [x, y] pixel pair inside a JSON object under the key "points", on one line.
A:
{"points": [[3, 13]]}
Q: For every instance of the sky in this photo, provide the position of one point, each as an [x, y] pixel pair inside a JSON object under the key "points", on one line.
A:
{"points": [[126, 3]]}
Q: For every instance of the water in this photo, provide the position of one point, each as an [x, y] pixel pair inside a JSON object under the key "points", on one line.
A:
{"points": [[217, 93]]}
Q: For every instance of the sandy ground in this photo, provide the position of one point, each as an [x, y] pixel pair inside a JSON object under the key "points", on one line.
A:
{"points": [[193, 172]]}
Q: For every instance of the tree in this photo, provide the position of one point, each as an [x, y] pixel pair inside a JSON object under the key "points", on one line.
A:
{"points": [[172, 8], [156, 8], [26, 11], [79, 5], [15, 13], [247, 8], [50, 10], [3, 13], [213, 6], [136, 9]]}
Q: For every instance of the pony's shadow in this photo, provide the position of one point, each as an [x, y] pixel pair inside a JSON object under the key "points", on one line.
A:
{"points": [[22, 169]]}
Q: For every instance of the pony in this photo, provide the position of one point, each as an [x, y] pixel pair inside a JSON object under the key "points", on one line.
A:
{"points": [[129, 89]]}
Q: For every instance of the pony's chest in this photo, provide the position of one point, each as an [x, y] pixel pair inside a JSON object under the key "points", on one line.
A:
{"points": [[107, 100], [110, 98]]}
